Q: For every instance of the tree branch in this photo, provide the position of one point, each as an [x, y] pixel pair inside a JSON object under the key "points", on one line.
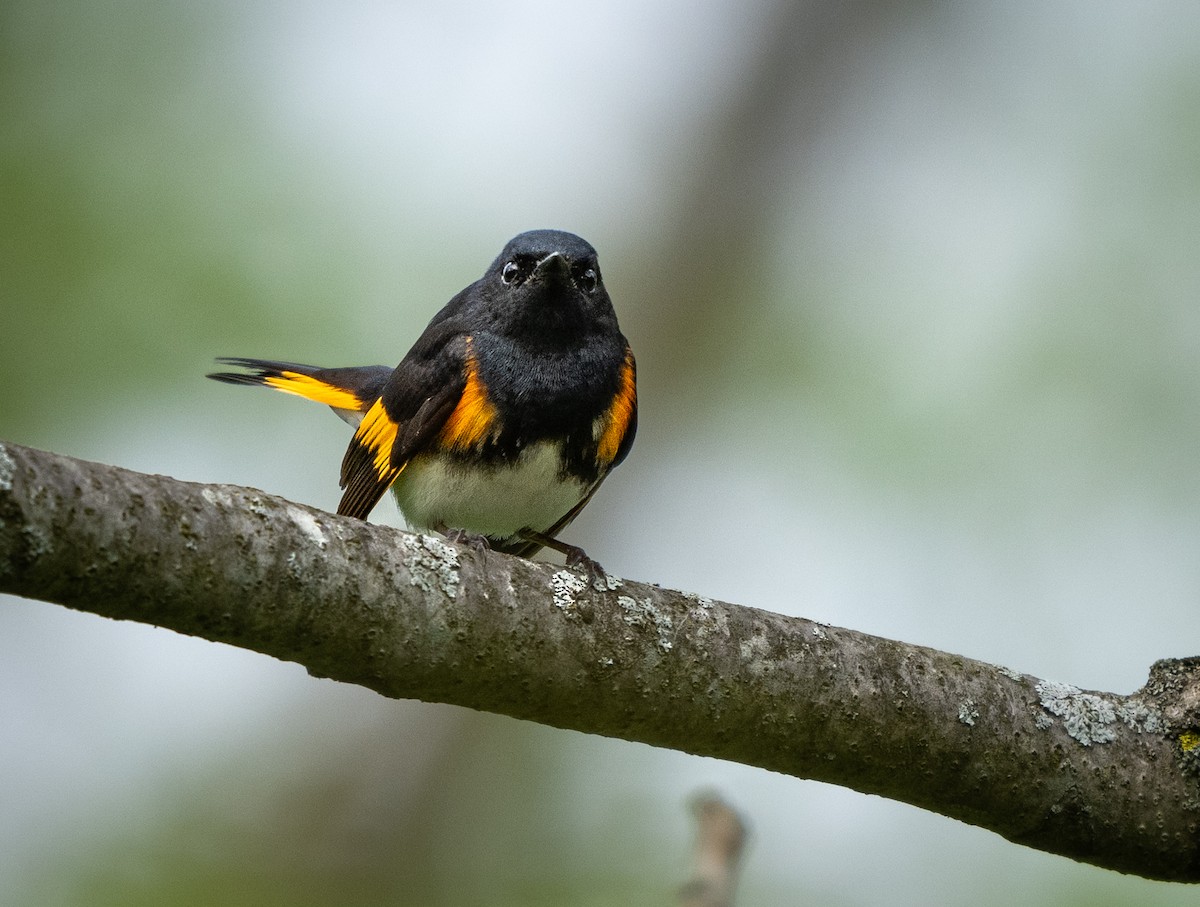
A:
{"points": [[1107, 779]]}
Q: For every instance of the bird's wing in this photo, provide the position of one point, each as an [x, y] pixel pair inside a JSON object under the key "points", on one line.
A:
{"points": [[434, 394]]}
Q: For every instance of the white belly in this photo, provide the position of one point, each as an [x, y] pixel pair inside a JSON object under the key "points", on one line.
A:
{"points": [[496, 502]]}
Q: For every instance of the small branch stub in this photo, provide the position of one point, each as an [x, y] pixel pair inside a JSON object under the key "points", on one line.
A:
{"points": [[716, 856]]}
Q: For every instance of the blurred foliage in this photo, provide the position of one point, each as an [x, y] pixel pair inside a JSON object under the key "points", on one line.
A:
{"points": [[147, 215], [478, 829]]}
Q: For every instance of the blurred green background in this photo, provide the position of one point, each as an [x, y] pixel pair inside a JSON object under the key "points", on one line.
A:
{"points": [[914, 291]]}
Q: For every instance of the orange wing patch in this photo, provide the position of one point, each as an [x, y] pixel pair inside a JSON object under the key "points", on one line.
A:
{"points": [[311, 388], [615, 422], [367, 470], [377, 433], [475, 417]]}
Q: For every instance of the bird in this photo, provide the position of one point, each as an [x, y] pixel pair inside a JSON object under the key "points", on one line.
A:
{"points": [[506, 415]]}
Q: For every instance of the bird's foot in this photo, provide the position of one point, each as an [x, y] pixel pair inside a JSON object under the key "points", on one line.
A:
{"points": [[598, 577], [472, 540]]}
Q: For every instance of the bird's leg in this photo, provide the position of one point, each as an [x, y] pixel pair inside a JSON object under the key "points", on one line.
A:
{"points": [[576, 557], [464, 537]]}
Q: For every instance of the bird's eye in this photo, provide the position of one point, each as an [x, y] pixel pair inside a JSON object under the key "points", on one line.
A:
{"points": [[510, 272], [587, 281]]}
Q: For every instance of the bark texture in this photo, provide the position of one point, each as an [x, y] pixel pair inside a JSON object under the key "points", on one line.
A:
{"points": [[1107, 779]]}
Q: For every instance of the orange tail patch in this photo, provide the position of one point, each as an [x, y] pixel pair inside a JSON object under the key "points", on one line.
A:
{"points": [[311, 388]]}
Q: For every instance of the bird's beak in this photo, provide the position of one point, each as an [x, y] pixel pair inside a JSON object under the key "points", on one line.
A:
{"points": [[554, 268]]}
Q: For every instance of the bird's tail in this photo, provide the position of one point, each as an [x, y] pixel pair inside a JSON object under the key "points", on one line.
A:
{"points": [[348, 391]]}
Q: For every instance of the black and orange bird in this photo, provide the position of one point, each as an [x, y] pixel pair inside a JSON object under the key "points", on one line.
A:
{"points": [[500, 423]]}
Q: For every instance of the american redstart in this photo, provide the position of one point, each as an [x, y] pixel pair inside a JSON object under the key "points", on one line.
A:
{"points": [[505, 416]]}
